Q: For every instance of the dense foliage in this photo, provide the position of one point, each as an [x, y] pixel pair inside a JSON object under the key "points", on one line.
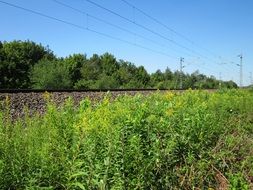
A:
{"points": [[29, 65], [194, 140], [50, 74], [16, 60]]}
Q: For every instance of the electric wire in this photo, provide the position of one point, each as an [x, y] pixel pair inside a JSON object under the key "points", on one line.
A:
{"points": [[157, 21], [116, 26], [151, 31], [84, 28], [169, 28], [143, 27]]}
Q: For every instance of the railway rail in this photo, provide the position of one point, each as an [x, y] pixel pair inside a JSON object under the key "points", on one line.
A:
{"points": [[82, 90], [19, 101]]}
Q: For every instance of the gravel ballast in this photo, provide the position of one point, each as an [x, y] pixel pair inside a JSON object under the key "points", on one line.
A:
{"points": [[35, 102]]}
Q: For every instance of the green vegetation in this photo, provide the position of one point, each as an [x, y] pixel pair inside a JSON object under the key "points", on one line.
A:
{"points": [[50, 75], [29, 65], [163, 141], [16, 60]]}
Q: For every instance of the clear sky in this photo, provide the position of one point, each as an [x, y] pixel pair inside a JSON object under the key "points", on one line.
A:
{"points": [[217, 31]]}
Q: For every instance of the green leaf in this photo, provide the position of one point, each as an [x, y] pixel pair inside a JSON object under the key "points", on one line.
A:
{"points": [[79, 174], [78, 184]]}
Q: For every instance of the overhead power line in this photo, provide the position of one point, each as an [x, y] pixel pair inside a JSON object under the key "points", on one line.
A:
{"points": [[115, 26], [85, 28], [143, 27], [151, 31], [123, 29], [171, 30], [119, 27], [41, 14], [157, 21]]}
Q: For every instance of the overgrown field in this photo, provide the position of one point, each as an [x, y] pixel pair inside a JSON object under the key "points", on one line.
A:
{"points": [[193, 140]]}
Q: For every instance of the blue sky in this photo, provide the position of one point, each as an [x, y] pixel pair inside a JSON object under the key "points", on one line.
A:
{"points": [[219, 30]]}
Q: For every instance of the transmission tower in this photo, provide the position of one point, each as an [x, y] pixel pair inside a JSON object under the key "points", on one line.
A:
{"points": [[181, 72], [241, 74]]}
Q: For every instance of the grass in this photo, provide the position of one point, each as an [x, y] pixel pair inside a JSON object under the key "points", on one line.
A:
{"points": [[194, 140]]}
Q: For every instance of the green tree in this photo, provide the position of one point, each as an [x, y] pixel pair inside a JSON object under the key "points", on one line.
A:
{"points": [[158, 76], [109, 64], [142, 77], [123, 74], [106, 82], [168, 75], [2, 69], [230, 84], [74, 64], [92, 68], [90, 71], [17, 58], [49, 74]]}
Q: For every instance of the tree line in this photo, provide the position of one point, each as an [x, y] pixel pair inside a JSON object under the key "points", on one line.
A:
{"points": [[28, 65]]}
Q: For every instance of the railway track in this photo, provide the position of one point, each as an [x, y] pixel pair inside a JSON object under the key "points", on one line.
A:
{"points": [[82, 90], [34, 101], [19, 101]]}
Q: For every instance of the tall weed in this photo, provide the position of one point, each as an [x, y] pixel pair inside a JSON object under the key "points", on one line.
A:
{"points": [[161, 141]]}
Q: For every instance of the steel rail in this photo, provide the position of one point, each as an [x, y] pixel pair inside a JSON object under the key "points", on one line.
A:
{"points": [[93, 90]]}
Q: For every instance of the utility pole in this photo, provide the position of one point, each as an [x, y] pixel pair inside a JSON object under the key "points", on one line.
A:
{"points": [[241, 74], [181, 72]]}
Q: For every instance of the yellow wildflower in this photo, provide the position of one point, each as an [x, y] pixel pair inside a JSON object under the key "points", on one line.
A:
{"points": [[46, 96], [169, 95], [170, 112]]}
